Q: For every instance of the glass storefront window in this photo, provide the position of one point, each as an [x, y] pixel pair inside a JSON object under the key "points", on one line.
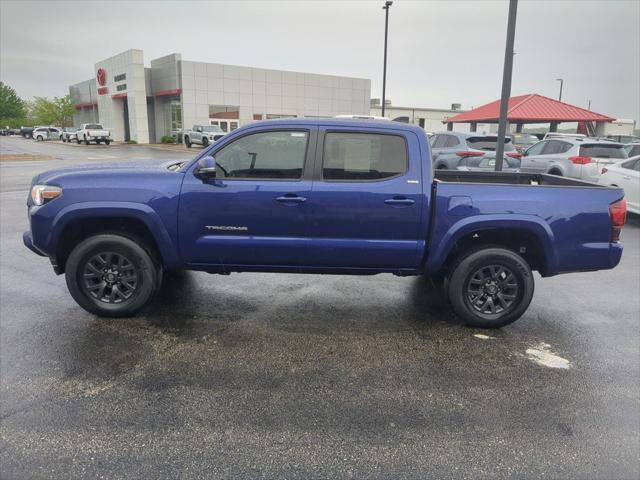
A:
{"points": [[176, 116]]}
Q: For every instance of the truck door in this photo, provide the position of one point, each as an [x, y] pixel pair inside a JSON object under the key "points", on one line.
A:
{"points": [[366, 204], [255, 211]]}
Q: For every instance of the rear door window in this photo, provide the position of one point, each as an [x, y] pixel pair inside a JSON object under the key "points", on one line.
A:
{"points": [[440, 141], [555, 147], [452, 141], [603, 150], [363, 156]]}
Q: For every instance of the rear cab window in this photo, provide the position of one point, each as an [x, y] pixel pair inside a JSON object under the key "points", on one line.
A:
{"points": [[363, 157], [603, 150]]}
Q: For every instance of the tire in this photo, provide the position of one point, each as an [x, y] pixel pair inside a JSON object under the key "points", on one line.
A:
{"points": [[125, 275], [486, 278], [187, 142], [205, 142], [39, 138], [86, 141], [557, 173], [77, 140], [107, 142]]}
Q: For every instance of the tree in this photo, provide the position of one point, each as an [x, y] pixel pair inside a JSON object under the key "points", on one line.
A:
{"points": [[58, 111], [12, 107]]}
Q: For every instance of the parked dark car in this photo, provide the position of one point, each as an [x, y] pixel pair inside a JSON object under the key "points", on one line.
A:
{"points": [[26, 132], [448, 148]]}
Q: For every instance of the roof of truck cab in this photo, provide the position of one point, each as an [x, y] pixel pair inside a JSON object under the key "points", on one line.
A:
{"points": [[340, 122]]}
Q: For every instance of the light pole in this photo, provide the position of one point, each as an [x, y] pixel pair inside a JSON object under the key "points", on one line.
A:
{"points": [[506, 82], [387, 4], [561, 80]]}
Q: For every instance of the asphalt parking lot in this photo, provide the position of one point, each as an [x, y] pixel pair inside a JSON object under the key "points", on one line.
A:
{"points": [[308, 376]]}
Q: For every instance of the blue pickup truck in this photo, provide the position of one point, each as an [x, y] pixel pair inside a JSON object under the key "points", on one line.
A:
{"points": [[332, 196]]}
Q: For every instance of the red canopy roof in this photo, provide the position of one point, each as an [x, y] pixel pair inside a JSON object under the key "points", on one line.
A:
{"points": [[532, 108]]}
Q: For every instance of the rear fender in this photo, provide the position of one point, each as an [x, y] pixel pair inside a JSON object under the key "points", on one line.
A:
{"points": [[474, 224]]}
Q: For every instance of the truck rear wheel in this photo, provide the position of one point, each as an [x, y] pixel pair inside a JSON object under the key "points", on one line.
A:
{"points": [[490, 287], [112, 276]]}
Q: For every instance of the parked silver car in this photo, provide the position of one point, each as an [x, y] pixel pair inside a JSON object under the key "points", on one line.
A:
{"points": [[449, 148], [69, 134], [574, 157]]}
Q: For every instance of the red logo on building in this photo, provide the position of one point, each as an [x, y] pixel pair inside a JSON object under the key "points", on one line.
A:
{"points": [[102, 77]]}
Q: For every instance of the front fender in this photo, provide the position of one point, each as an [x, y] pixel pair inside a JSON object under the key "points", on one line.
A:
{"points": [[139, 211], [473, 224]]}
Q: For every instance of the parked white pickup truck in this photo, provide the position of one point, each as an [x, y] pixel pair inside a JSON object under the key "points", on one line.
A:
{"points": [[93, 132], [203, 135]]}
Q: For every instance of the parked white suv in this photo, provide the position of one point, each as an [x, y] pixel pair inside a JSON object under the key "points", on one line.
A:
{"points": [[203, 135], [625, 174], [574, 157], [46, 133]]}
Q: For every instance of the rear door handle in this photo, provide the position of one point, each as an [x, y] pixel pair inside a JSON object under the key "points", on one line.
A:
{"points": [[292, 198], [399, 201]]}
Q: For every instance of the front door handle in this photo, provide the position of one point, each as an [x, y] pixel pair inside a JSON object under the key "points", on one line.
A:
{"points": [[399, 201], [291, 198]]}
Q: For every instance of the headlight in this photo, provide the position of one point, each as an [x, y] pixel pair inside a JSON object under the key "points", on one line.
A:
{"points": [[41, 194]]}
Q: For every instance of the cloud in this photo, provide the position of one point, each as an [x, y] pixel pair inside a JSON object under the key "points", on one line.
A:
{"points": [[439, 52]]}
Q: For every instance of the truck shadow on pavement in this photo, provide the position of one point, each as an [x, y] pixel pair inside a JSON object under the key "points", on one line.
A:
{"points": [[188, 306]]}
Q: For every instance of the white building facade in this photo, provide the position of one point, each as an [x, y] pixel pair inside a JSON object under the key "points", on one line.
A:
{"points": [[143, 104]]}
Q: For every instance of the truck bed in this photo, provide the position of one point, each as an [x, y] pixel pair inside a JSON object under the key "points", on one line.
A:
{"points": [[508, 178]]}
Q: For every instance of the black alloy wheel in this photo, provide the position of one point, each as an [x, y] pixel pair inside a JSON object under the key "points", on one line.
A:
{"points": [[492, 289], [110, 277]]}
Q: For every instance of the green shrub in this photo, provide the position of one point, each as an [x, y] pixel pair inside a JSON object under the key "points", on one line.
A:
{"points": [[131, 142], [168, 139]]}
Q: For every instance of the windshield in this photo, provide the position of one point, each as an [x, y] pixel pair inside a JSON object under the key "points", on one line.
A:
{"points": [[94, 126], [212, 128], [603, 151]]}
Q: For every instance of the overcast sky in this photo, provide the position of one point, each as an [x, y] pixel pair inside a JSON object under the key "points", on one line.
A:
{"points": [[439, 52]]}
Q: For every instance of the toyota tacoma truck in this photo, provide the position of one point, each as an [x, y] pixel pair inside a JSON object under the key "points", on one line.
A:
{"points": [[93, 132], [203, 135], [330, 196]]}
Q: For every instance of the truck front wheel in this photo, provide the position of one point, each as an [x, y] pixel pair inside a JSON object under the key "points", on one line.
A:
{"points": [[187, 142], [490, 287], [112, 276]]}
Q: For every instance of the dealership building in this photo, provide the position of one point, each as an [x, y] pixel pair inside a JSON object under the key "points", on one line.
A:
{"points": [[143, 104]]}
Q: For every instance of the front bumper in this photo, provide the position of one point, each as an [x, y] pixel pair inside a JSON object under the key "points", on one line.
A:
{"points": [[27, 239]]}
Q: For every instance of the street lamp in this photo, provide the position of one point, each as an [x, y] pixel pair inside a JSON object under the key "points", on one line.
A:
{"points": [[387, 4], [561, 80]]}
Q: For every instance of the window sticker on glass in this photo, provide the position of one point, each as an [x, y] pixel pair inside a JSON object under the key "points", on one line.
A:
{"points": [[298, 134], [492, 162]]}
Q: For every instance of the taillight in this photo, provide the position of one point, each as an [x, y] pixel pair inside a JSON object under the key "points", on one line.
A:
{"points": [[618, 214], [469, 154], [514, 154], [579, 160]]}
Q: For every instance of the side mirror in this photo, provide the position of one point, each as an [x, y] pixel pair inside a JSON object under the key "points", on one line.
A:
{"points": [[206, 168]]}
